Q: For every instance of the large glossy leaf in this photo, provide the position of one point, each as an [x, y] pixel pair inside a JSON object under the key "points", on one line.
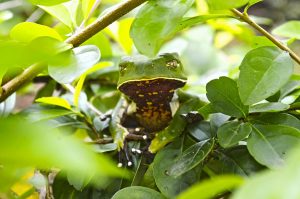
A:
{"points": [[61, 13], [209, 189], [191, 157], [282, 119], [223, 5], [137, 192], [155, 22], [28, 31], [169, 185], [102, 42], [224, 97], [268, 107], [47, 2], [200, 130], [289, 29], [268, 144], [263, 72], [231, 133], [85, 58], [20, 54], [235, 160]]}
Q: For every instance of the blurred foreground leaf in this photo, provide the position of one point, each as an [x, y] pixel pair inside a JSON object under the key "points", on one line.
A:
{"points": [[23, 145]]}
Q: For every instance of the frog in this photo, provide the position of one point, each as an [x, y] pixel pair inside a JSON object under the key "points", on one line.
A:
{"points": [[151, 84]]}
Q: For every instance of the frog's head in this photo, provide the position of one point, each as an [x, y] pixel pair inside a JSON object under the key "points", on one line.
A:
{"points": [[151, 83], [138, 69]]}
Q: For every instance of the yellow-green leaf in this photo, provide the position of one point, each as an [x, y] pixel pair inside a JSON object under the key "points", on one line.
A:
{"points": [[78, 89], [99, 66], [212, 187], [87, 6], [80, 83], [124, 36], [28, 31], [55, 101]]}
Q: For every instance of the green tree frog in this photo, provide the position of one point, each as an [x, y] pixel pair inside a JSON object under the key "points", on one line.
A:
{"points": [[150, 84]]}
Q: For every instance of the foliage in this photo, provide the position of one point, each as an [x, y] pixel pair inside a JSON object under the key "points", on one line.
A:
{"points": [[235, 129]]}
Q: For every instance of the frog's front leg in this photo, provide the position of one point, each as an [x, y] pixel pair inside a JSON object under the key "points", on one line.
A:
{"points": [[122, 135], [188, 103]]}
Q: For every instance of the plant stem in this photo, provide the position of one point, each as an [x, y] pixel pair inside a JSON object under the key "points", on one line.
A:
{"points": [[244, 17], [20, 80], [104, 21], [77, 39]]}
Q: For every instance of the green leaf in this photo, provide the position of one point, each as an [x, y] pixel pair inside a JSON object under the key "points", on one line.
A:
{"points": [[269, 107], [200, 130], [169, 185], [229, 134], [235, 160], [46, 49], [280, 183], [78, 89], [289, 29], [47, 2], [263, 72], [224, 5], [192, 21], [124, 35], [268, 144], [191, 157], [224, 97], [87, 6], [252, 2], [282, 119], [155, 22], [28, 31], [60, 12], [55, 101], [212, 187], [289, 88], [36, 113], [102, 42], [28, 146], [78, 181], [260, 41], [85, 58], [137, 192]]}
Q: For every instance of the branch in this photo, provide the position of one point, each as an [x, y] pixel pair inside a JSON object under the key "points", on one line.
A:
{"points": [[77, 39], [104, 21], [244, 17]]}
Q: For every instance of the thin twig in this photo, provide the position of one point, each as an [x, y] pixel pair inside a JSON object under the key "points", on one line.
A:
{"points": [[71, 89], [36, 15], [244, 17], [10, 4], [104, 21]]}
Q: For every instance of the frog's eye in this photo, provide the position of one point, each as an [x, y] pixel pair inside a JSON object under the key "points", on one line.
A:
{"points": [[123, 68], [173, 64]]}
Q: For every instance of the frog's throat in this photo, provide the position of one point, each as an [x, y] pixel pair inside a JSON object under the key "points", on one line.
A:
{"points": [[152, 99]]}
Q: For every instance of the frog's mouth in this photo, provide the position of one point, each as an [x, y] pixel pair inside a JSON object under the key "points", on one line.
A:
{"points": [[151, 90], [152, 98]]}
